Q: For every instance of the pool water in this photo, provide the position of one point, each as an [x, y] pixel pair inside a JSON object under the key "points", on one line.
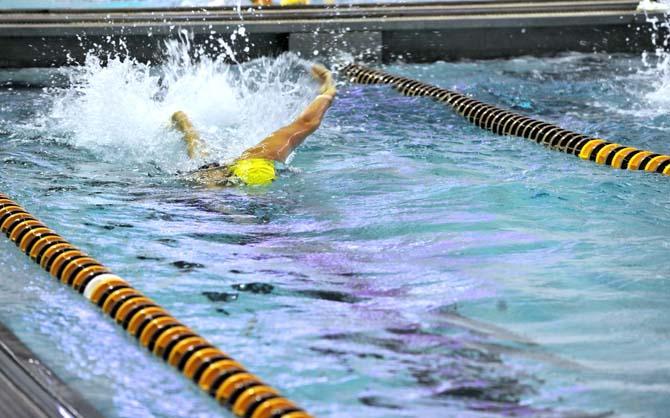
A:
{"points": [[405, 263]]}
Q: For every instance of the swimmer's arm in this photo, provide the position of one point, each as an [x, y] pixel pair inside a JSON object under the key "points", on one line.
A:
{"points": [[279, 144], [194, 145]]}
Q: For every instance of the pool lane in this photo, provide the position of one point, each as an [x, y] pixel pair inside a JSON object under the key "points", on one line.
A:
{"points": [[393, 224], [211, 369], [504, 122]]}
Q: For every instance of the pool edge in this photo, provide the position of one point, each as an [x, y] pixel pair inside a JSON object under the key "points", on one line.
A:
{"points": [[28, 388], [415, 33]]}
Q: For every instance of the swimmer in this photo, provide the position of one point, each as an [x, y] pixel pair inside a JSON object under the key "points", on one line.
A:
{"points": [[256, 165]]}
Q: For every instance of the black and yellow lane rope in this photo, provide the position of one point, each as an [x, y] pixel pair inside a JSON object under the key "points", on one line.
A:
{"points": [[211, 369], [503, 122]]}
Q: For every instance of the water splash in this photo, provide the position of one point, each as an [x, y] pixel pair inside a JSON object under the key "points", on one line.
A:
{"points": [[657, 64], [120, 108]]}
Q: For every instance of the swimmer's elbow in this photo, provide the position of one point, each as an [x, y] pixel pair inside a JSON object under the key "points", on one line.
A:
{"points": [[313, 125], [310, 124]]}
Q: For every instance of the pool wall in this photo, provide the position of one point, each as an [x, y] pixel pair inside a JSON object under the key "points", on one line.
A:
{"points": [[419, 32], [29, 389]]}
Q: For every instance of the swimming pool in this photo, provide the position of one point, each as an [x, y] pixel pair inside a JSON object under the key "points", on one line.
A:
{"points": [[406, 263]]}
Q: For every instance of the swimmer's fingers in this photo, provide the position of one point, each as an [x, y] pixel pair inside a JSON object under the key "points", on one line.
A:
{"points": [[321, 74], [194, 145], [180, 121], [325, 77], [319, 70]]}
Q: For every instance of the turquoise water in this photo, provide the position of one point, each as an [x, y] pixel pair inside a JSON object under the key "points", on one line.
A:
{"points": [[417, 266]]}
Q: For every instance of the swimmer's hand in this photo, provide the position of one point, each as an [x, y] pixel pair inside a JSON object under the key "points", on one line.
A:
{"points": [[190, 135], [323, 76]]}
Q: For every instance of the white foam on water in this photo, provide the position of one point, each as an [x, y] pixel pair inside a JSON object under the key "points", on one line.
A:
{"points": [[648, 87], [120, 108], [657, 65]]}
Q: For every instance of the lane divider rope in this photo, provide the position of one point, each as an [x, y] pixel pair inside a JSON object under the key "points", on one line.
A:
{"points": [[211, 369], [503, 122]]}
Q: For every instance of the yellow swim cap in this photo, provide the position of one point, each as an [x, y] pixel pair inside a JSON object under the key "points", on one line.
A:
{"points": [[293, 2], [255, 171]]}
